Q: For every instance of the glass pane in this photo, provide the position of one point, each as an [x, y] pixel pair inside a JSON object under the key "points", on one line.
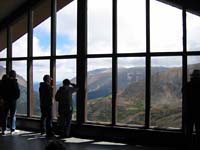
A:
{"points": [[193, 32], [193, 63], [20, 68], [131, 33], [67, 30], [166, 96], [40, 68], [99, 82], [41, 31], [19, 33], [20, 47], [2, 68], [99, 26], [166, 27], [131, 91], [66, 69], [3, 53]]}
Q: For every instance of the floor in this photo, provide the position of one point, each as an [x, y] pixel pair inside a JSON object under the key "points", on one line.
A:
{"points": [[23, 140]]}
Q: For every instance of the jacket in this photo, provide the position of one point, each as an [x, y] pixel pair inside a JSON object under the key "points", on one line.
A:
{"points": [[46, 94], [10, 90], [64, 97]]}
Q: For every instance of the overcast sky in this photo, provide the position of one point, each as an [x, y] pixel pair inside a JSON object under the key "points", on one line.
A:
{"points": [[166, 35]]}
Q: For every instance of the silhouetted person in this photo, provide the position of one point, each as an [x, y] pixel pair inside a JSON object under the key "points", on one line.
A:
{"points": [[65, 106], [11, 93], [55, 145], [46, 106], [191, 92], [4, 78]]}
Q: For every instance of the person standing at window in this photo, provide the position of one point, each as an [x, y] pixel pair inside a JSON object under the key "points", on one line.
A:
{"points": [[46, 106], [10, 94], [191, 92], [4, 78], [65, 106]]}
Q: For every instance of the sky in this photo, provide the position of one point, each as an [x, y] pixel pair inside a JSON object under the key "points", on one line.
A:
{"points": [[165, 31]]}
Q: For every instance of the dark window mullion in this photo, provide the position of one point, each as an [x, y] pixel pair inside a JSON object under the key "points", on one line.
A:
{"points": [[184, 68], [148, 67], [114, 61], [30, 101], [81, 61], [53, 48], [9, 50]]}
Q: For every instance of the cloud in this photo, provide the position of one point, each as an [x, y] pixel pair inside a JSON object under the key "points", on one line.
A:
{"points": [[166, 61], [131, 26], [67, 21], [131, 62], [99, 26], [65, 69], [67, 49], [193, 59], [97, 63], [39, 49]]}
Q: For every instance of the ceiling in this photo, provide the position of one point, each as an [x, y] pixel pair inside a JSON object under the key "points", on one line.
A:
{"points": [[12, 9], [8, 6]]}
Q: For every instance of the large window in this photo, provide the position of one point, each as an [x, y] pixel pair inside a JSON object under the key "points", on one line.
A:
{"points": [[146, 60]]}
